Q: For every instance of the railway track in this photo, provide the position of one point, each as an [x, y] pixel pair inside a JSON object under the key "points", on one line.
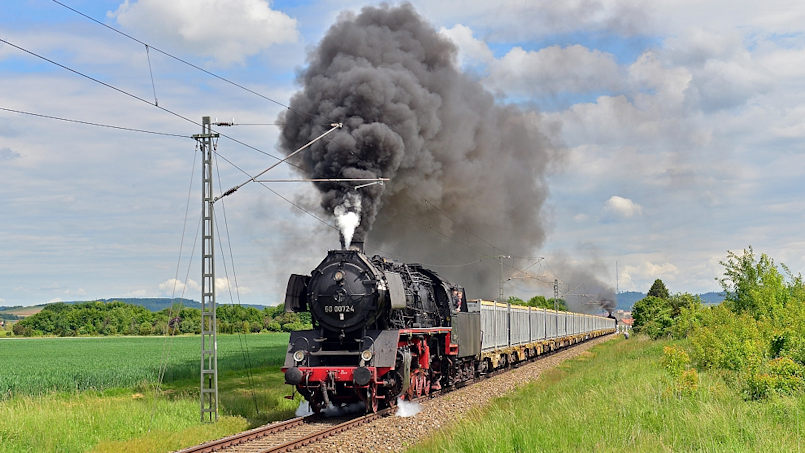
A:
{"points": [[298, 432], [285, 436]]}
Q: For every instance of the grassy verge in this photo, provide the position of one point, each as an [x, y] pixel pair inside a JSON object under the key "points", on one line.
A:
{"points": [[138, 418], [618, 396]]}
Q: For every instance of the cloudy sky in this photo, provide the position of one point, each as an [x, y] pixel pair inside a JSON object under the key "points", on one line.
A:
{"points": [[681, 126]]}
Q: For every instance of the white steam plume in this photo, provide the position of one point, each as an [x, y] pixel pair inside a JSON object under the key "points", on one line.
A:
{"points": [[348, 217]]}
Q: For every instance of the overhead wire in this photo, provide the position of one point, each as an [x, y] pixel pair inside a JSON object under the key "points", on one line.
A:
{"points": [[91, 123], [134, 96], [181, 60], [179, 116]]}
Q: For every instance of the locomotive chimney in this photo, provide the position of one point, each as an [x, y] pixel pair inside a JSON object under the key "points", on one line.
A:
{"points": [[357, 242]]}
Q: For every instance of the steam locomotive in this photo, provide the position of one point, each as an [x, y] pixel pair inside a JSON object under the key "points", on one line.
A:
{"points": [[383, 330]]}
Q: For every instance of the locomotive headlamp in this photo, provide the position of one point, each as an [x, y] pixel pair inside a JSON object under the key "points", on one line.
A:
{"points": [[299, 355], [338, 276], [366, 355]]}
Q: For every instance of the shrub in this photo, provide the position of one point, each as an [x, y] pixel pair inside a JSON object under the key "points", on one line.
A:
{"points": [[291, 326], [727, 341], [688, 382], [675, 360]]}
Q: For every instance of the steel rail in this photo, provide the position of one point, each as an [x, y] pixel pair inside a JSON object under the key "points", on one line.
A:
{"points": [[246, 436]]}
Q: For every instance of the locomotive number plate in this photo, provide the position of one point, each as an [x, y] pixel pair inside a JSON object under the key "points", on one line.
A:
{"points": [[339, 309]]}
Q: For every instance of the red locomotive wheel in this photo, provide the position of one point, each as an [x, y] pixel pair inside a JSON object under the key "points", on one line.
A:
{"points": [[371, 399]]}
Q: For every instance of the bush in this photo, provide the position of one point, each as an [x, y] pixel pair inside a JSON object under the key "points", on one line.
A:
{"points": [[291, 326], [688, 382], [727, 341], [675, 360]]}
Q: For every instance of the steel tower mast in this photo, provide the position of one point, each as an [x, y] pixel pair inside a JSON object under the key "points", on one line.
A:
{"points": [[209, 340]]}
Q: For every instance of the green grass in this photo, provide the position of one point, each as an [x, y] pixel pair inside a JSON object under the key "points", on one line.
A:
{"points": [[618, 397], [130, 414], [39, 365]]}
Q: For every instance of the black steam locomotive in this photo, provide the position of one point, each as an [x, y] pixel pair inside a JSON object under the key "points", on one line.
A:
{"points": [[383, 330]]}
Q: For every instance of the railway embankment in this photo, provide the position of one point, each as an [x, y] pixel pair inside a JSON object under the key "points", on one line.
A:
{"points": [[620, 396]]}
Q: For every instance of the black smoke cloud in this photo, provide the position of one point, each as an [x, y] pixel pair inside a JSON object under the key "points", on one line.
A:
{"points": [[467, 173], [582, 285]]}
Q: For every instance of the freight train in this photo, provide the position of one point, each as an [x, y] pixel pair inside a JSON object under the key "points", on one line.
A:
{"points": [[383, 330]]}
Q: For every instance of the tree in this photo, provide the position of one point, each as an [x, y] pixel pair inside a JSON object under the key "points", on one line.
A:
{"points": [[538, 301], [559, 304], [652, 316], [658, 289], [516, 300], [755, 286]]}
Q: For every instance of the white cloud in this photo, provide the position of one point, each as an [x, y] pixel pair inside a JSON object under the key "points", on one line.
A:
{"points": [[555, 69], [175, 287], [550, 70], [622, 207], [635, 277], [228, 30], [471, 51], [517, 20]]}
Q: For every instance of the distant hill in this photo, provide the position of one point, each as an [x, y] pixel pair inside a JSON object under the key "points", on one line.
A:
{"points": [[150, 303], [161, 303], [628, 298], [713, 297], [19, 312]]}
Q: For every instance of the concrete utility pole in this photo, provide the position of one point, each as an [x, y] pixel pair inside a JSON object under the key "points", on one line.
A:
{"points": [[209, 340], [500, 286], [555, 298]]}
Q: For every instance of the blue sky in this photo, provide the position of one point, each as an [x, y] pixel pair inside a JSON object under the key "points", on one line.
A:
{"points": [[681, 128]]}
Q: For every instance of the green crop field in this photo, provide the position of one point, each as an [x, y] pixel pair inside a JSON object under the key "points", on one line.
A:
{"points": [[41, 365], [97, 394]]}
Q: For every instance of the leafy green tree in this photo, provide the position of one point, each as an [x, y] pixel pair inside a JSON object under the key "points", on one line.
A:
{"points": [[538, 301], [658, 289], [755, 286], [560, 305], [515, 300], [690, 315], [652, 316]]}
